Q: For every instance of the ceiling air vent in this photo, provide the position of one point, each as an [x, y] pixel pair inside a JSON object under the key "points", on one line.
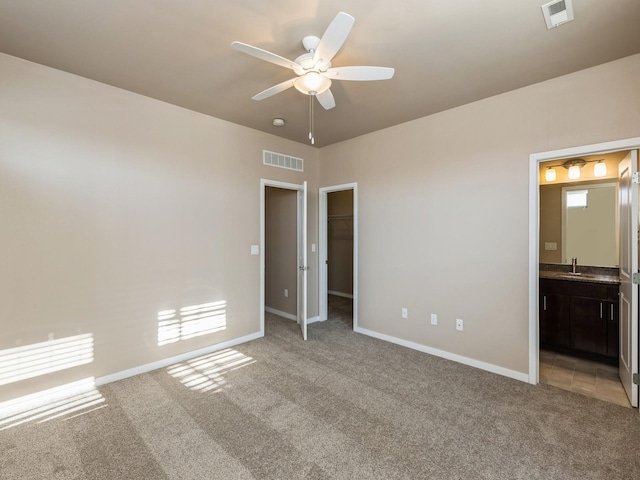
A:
{"points": [[283, 161], [557, 12]]}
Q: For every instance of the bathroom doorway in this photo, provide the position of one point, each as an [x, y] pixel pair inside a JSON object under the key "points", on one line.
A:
{"points": [[565, 364]]}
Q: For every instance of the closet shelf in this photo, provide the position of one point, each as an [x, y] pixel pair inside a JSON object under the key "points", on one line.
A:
{"points": [[333, 220]]}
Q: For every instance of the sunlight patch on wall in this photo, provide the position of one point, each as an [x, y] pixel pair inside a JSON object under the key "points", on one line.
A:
{"points": [[191, 321], [38, 359], [206, 373], [66, 401]]}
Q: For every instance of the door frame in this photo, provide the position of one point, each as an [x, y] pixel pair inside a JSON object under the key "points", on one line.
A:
{"points": [[534, 231], [323, 244], [264, 183]]}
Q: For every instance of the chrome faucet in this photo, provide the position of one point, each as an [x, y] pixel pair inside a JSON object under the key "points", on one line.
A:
{"points": [[574, 264]]}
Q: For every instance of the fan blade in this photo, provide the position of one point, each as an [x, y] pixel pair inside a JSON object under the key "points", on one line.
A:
{"points": [[361, 74], [267, 56], [333, 38], [326, 100], [269, 92]]}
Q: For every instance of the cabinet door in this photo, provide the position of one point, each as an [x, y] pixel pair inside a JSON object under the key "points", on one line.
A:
{"points": [[589, 324], [613, 329], [554, 320]]}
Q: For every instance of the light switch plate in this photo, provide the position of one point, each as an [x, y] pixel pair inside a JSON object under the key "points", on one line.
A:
{"points": [[255, 249], [550, 246]]}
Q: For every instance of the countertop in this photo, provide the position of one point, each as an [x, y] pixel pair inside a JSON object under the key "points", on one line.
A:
{"points": [[581, 277]]}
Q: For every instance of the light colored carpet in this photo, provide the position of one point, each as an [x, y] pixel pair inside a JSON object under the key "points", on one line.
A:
{"points": [[340, 406]]}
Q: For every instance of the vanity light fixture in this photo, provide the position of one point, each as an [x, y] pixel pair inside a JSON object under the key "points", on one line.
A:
{"points": [[574, 165], [550, 174], [600, 169]]}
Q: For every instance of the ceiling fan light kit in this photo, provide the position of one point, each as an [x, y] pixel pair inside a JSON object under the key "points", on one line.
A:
{"points": [[312, 83], [313, 69]]}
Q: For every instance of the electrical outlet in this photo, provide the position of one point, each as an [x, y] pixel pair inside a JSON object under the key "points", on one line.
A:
{"points": [[286, 292], [434, 319], [405, 313], [459, 324]]}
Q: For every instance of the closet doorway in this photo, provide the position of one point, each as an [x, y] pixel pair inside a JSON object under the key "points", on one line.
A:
{"points": [[283, 205], [339, 253]]}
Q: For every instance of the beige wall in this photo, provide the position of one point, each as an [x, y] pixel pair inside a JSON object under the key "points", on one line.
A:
{"points": [[551, 222], [444, 227], [340, 242], [115, 207], [281, 254]]}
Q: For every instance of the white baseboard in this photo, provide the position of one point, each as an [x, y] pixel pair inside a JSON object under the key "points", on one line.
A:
{"points": [[523, 377], [289, 316], [340, 294], [165, 362], [281, 314]]}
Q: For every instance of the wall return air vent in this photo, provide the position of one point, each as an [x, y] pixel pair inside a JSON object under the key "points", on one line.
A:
{"points": [[557, 12], [283, 161]]}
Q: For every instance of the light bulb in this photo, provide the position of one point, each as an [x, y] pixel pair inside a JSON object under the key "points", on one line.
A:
{"points": [[574, 172], [550, 174], [312, 83], [600, 169]]}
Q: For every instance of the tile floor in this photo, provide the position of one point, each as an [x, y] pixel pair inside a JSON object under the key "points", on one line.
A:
{"points": [[582, 376]]}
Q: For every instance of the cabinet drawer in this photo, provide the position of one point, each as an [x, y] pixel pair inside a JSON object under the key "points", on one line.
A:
{"points": [[601, 291]]}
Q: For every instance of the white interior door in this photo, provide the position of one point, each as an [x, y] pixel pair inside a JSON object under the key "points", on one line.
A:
{"points": [[628, 265], [302, 260]]}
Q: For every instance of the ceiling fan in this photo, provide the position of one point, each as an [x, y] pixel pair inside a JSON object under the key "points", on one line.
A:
{"points": [[313, 69]]}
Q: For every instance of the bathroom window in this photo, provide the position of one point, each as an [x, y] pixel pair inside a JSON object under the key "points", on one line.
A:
{"points": [[577, 198]]}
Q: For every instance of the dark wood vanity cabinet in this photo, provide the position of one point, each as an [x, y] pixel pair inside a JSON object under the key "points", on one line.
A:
{"points": [[555, 327], [579, 317]]}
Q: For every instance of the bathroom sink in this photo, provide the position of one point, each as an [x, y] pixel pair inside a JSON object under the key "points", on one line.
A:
{"points": [[583, 275], [580, 276], [586, 276]]}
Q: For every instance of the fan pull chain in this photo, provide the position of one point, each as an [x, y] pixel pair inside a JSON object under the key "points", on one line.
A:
{"points": [[311, 137]]}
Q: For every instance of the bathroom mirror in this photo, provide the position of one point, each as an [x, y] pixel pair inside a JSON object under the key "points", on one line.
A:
{"points": [[579, 220]]}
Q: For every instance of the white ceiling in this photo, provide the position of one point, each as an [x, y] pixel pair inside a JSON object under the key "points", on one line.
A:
{"points": [[446, 52]]}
